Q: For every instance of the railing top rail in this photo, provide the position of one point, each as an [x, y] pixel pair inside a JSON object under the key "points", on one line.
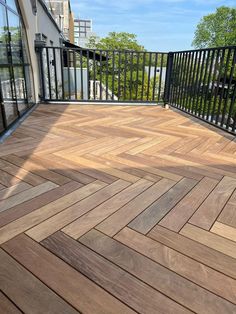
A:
{"points": [[205, 49], [105, 50], [139, 51]]}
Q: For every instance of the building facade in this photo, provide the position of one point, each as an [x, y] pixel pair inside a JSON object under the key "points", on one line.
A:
{"points": [[63, 15], [83, 30], [24, 26]]}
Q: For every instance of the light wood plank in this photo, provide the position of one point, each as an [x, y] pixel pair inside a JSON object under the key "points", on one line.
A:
{"points": [[208, 212], [29, 206], [209, 239], [28, 221], [65, 217], [181, 264], [101, 212], [26, 195], [205, 255], [224, 231]]}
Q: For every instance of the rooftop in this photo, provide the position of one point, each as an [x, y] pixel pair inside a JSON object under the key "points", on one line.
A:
{"points": [[117, 209]]}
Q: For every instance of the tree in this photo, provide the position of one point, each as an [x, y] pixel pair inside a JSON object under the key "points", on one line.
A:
{"points": [[116, 41], [124, 71], [217, 29]]}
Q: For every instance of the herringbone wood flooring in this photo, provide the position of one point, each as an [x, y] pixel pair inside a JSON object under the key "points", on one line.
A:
{"points": [[110, 209]]}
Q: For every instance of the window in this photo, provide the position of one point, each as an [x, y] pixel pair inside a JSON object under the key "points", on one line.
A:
{"points": [[15, 70]]}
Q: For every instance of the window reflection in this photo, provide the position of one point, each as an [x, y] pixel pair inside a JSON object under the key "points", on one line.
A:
{"points": [[15, 38], [11, 4], [3, 35], [15, 71], [8, 93]]}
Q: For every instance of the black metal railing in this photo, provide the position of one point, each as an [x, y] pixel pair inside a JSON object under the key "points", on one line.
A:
{"points": [[199, 82], [203, 83], [102, 75]]}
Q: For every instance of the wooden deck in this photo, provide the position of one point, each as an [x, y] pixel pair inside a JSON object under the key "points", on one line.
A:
{"points": [[110, 209]]}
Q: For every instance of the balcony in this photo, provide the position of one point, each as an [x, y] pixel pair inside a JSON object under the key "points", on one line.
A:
{"points": [[117, 209]]}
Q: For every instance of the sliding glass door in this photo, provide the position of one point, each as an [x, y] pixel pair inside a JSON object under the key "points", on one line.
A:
{"points": [[15, 70]]}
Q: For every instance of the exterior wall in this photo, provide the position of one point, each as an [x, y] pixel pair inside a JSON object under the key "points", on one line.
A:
{"points": [[41, 23], [71, 28]]}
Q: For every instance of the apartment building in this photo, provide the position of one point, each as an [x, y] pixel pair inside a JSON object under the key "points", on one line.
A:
{"points": [[83, 30]]}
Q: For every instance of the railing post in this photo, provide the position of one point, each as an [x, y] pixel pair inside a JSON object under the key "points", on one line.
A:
{"points": [[2, 111], [39, 46], [168, 78]]}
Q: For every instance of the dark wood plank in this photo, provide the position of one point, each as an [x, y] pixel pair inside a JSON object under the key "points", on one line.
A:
{"points": [[25, 290], [182, 212], [13, 190], [2, 187], [228, 214], [156, 211], [119, 283], [123, 216], [21, 173], [29, 206], [150, 166], [38, 169], [68, 283], [83, 224], [94, 173], [195, 250], [71, 213], [181, 264], [7, 179], [6, 306], [179, 289], [59, 168]]}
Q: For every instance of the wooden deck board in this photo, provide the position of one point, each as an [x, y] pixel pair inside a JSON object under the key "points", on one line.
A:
{"points": [[117, 209]]}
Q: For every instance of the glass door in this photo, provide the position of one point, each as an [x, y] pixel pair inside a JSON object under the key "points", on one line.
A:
{"points": [[6, 71]]}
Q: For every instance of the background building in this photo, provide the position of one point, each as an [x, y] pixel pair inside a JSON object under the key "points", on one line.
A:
{"points": [[63, 15], [83, 30]]}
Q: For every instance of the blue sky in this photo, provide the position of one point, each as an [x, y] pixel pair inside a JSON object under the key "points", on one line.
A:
{"points": [[160, 25]]}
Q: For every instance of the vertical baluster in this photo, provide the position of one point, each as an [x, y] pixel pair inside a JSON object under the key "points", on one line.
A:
{"points": [[149, 74], [137, 77], [81, 75], [55, 69], [75, 75], [155, 77], [143, 74]]}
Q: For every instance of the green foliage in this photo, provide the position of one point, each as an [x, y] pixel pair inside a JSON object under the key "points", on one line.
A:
{"points": [[124, 71], [117, 41], [207, 90], [217, 29]]}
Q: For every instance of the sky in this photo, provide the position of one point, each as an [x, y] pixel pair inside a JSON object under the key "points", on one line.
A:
{"points": [[160, 25]]}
